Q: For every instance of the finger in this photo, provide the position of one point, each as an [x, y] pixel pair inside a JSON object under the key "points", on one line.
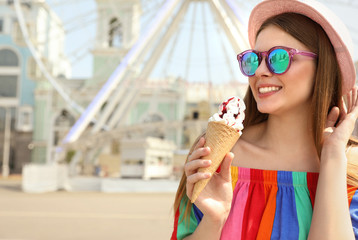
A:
{"points": [[349, 101], [342, 110], [332, 117], [193, 166], [344, 106], [194, 178], [200, 143], [355, 101], [354, 109], [226, 166], [354, 95], [199, 153]]}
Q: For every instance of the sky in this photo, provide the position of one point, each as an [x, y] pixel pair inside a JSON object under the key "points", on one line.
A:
{"points": [[199, 32]]}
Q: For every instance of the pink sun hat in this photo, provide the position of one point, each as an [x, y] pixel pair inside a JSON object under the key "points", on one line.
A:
{"points": [[331, 24]]}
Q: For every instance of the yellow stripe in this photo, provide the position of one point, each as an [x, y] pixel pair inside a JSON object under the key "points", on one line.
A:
{"points": [[234, 176]]}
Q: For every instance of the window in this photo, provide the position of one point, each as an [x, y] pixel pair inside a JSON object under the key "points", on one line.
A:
{"points": [[153, 118], [65, 119], [1, 25], [195, 115], [115, 33], [3, 116], [8, 58], [8, 86], [33, 71], [9, 77], [25, 119], [17, 33]]}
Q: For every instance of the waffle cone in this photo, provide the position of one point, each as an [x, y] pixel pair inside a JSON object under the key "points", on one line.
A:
{"points": [[220, 138]]}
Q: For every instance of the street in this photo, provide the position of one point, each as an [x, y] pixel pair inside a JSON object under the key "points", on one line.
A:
{"points": [[83, 215]]}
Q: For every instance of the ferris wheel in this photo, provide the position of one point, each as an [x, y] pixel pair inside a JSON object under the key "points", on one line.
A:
{"points": [[80, 17], [201, 47]]}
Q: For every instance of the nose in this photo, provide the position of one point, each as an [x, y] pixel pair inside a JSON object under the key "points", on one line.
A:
{"points": [[262, 70]]}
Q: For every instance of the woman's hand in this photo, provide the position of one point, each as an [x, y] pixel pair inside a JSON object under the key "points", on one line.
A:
{"points": [[331, 215], [337, 135], [215, 199]]}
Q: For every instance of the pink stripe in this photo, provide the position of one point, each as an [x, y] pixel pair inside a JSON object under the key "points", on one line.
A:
{"points": [[233, 225]]}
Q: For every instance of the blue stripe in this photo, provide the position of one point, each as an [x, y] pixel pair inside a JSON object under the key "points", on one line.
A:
{"points": [[198, 214], [353, 210], [285, 224]]}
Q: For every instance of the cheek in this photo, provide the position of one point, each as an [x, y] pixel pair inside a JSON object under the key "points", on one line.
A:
{"points": [[252, 84], [309, 78], [304, 78]]}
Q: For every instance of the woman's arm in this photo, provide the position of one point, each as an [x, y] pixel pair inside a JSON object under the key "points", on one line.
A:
{"points": [[215, 199], [331, 218], [208, 229]]}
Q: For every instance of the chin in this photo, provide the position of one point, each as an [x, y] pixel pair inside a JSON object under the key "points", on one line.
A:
{"points": [[265, 111], [268, 109]]}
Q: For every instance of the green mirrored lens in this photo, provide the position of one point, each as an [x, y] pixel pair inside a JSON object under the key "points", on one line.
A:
{"points": [[279, 60], [249, 63]]}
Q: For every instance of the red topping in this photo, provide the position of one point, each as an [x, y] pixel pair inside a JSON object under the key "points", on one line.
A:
{"points": [[224, 109]]}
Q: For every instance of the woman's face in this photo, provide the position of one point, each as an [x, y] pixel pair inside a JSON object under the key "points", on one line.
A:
{"points": [[291, 91]]}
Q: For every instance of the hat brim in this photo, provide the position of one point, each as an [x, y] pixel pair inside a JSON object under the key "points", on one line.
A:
{"points": [[332, 25]]}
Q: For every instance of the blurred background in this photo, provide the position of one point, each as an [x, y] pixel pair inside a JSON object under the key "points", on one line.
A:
{"points": [[106, 96]]}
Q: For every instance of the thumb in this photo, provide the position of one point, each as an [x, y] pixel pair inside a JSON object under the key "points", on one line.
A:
{"points": [[226, 166]]}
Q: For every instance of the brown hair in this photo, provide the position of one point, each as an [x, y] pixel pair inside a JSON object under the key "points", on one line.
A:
{"points": [[327, 90]]}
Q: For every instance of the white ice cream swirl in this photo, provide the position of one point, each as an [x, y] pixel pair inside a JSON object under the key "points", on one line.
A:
{"points": [[232, 113]]}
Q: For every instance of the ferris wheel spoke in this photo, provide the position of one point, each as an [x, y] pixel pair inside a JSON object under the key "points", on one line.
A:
{"points": [[191, 37], [206, 46], [81, 52], [224, 50], [80, 25], [82, 17], [150, 12], [64, 3], [169, 57]]}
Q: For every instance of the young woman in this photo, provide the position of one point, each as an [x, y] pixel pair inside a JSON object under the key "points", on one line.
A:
{"points": [[293, 173]]}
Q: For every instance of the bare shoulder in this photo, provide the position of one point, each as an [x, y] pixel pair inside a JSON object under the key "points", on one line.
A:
{"points": [[249, 136], [248, 147], [252, 133]]}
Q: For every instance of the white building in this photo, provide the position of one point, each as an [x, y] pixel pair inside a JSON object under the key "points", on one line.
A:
{"points": [[147, 158]]}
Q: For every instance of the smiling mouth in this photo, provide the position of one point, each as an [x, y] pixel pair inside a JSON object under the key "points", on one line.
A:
{"points": [[269, 89]]}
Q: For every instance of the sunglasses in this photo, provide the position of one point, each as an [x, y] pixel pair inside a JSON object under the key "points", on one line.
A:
{"points": [[278, 59]]}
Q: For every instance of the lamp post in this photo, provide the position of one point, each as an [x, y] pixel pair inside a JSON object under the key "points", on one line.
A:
{"points": [[6, 149]]}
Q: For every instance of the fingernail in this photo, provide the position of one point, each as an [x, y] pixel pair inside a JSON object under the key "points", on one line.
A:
{"points": [[208, 148], [207, 162], [207, 175]]}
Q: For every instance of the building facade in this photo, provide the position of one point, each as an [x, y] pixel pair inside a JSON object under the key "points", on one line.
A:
{"points": [[26, 95]]}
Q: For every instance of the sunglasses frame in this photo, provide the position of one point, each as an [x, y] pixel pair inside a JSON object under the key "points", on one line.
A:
{"points": [[291, 52]]}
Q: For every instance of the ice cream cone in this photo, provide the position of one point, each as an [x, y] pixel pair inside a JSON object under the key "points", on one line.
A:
{"points": [[220, 138]]}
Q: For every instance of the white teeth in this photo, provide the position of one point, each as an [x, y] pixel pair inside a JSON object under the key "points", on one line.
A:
{"points": [[268, 89]]}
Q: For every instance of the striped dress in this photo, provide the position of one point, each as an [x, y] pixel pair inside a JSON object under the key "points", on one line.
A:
{"points": [[266, 204]]}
